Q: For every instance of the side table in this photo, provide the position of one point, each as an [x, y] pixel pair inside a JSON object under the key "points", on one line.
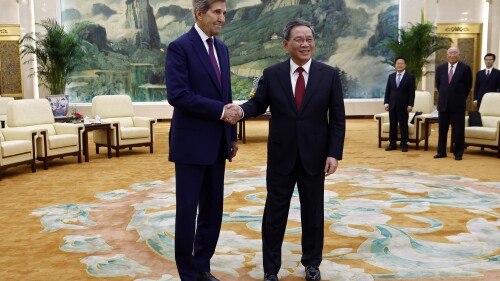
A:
{"points": [[93, 127], [242, 129], [427, 124]]}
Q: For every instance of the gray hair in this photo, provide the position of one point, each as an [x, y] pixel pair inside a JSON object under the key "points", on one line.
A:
{"points": [[452, 48], [289, 26], [203, 5]]}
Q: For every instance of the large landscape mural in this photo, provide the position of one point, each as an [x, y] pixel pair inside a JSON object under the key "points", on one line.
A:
{"points": [[125, 42]]}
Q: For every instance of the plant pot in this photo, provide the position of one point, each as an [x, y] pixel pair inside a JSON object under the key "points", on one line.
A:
{"points": [[59, 105]]}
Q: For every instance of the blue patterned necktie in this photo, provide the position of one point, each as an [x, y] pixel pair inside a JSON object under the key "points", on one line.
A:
{"points": [[398, 80], [211, 54], [487, 74]]}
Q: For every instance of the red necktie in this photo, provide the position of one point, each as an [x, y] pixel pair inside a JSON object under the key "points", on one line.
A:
{"points": [[450, 74], [300, 88], [212, 57]]}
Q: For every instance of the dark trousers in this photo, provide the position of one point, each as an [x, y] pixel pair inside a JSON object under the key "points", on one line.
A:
{"points": [[398, 116], [279, 193], [198, 187], [457, 121]]}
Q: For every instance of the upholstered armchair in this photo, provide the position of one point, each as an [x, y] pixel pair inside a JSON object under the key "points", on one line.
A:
{"points": [[487, 135], [128, 130], [423, 103], [3, 110], [56, 140], [17, 147]]}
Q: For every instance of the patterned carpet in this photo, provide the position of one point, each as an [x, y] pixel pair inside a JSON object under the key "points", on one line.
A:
{"points": [[379, 224], [389, 215]]}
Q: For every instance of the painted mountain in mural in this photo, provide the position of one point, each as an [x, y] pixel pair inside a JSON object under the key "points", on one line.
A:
{"points": [[349, 36]]}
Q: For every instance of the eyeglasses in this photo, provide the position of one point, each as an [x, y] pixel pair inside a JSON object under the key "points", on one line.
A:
{"points": [[301, 41]]}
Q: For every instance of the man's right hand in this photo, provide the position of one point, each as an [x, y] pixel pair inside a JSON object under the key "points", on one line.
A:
{"points": [[232, 114]]}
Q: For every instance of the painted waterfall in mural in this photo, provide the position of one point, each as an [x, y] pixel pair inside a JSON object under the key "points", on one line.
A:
{"points": [[126, 42]]}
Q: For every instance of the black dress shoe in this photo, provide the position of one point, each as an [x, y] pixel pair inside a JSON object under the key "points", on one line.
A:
{"points": [[270, 277], [404, 148], [391, 147], [439, 155], [206, 276], [458, 157], [313, 273]]}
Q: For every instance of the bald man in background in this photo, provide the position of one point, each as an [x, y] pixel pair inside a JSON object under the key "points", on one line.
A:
{"points": [[454, 82]]}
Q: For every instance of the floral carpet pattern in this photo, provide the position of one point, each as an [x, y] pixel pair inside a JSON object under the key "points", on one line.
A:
{"points": [[378, 224]]}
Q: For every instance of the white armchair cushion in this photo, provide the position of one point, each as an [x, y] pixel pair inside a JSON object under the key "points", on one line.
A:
{"points": [[124, 121], [481, 133], [490, 121], [67, 128], [3, 104], [140, 121], [491, 106], [15, 147], [423, 102], [134, 132], [3, 107], [59, 141], [109, 106], [384, 116], [29, 112]]}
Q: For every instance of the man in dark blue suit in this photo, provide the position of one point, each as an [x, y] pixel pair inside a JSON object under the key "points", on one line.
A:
{"points": [[487, 80], [398, 100], [454, 82], [198, 87], [306, 141]]}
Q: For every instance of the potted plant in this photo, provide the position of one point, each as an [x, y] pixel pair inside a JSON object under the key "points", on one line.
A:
{"points": [[416, 44], [57, 53]]}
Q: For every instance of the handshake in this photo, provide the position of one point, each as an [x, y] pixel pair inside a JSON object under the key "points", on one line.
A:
{"points": [[232, 113]]}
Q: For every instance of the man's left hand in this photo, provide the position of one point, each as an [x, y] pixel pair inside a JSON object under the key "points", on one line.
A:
{"points": [[234, 149], [331, 165]]}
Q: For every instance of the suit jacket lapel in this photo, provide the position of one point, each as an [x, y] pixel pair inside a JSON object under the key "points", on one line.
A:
{"points": [[392, 80], [403, 80], [221, 56], [286, 83], [201, 51]]}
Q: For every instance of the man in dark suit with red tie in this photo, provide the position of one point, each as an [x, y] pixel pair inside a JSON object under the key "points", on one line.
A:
{"points": [[487, 80], [454, 82], [198, 87], [398, 100], [306, 141]]}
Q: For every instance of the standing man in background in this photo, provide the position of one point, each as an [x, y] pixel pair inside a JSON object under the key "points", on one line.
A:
{"points": [[398, 100], [487, 80], [306, 141], [454, 82], [198, 87]]}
